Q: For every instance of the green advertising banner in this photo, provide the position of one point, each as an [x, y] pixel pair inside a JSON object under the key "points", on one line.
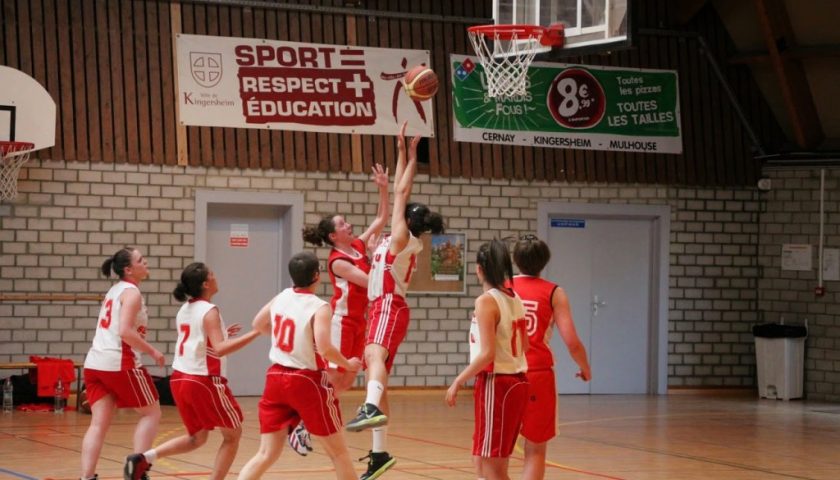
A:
{"points": [[571, 106]]}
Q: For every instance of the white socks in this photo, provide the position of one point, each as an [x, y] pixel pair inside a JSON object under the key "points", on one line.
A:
{"points": [[380, 439], [375, 389], [151, 455]]}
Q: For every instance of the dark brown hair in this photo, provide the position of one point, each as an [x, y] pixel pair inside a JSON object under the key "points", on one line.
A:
{"points": [[320, 234], [118, 262], [192, 279], [531, 254], [494, 259], [420, 219]]}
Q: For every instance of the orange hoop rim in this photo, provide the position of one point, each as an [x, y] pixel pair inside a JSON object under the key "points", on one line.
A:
{"points": [[548, 36], [11, 148]]}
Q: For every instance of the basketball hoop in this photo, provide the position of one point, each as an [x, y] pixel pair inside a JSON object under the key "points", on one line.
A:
{"points": [[12, 156], [506, 52]]}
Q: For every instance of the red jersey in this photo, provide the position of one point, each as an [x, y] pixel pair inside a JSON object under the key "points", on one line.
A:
{"points": [[349, 299], [536, 296]]}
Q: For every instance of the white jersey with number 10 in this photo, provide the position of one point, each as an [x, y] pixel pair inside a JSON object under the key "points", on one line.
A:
{"points": [[292, 336]]}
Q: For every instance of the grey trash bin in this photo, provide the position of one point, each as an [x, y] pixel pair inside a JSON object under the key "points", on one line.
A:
{"points": [[780, 360]]}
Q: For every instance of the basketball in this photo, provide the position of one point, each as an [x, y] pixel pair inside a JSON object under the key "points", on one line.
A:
{"points": [[421, 83]]}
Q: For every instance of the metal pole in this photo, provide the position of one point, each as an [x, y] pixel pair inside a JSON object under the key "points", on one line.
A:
{"points": [[704, 48]]}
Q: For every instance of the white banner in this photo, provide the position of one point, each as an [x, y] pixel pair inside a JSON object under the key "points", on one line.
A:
{"points": [[268, 84]]}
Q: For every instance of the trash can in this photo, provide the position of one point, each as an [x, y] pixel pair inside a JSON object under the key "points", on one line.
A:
{"points": [[780, 360]]}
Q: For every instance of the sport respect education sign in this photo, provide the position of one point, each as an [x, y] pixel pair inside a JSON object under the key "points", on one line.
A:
{"points": [[571, 106], [268, 84]]}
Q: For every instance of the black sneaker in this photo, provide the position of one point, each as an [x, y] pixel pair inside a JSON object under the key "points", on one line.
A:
{"points": [[369, 416], [378, 463], [136, 467]]}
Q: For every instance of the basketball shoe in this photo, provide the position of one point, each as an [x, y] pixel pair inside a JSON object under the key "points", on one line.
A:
{"points": [[369, 416], [136, 467], [300, 440], [378, 463]]}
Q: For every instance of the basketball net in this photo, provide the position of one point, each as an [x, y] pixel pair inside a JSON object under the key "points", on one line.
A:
{"points": [[506, 52], [12, 156]]}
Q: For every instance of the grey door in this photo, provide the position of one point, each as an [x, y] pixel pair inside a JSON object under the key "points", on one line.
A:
{"points": [[248, 278], [604, 265]]}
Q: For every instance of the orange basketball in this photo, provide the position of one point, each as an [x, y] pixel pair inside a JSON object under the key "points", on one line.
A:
{"points": [[421, 83]]}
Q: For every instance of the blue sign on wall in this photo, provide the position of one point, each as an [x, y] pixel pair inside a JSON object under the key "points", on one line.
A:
{"points": [[568, 223]]}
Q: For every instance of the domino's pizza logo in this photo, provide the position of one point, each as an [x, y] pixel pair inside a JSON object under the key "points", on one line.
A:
{"points": [[465, 69]]}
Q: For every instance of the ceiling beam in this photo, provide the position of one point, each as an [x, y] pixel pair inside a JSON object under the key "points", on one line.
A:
{"points": [[779, 37], [682, 11], [793, 53]]}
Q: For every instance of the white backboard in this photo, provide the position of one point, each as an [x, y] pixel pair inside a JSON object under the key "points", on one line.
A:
{"points": [[27, 111], [588, 23]]}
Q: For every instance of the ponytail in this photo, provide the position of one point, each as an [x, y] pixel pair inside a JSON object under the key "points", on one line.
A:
{"points": [[420, 219], [320, 234], [117, 262], [494, 259], [192, 281]]}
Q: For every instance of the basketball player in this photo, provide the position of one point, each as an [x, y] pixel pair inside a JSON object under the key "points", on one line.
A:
{"points": [[296, 386], [394, 262], [498, 341], [348, 266], [199, 383], [114, 376], [546, 304]]}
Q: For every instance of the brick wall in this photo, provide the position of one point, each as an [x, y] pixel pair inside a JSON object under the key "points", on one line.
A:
{"points": [[69, 216], [792, 215]]}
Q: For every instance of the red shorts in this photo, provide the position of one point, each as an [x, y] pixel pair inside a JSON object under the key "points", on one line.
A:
{"points": [[130, 388], [540, 421], [204, 402], [389, 317], [500, 401], [292, 395], [349, 335]]}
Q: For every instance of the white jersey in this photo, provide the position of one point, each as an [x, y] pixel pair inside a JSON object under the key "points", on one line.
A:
{"points": [[510, 335], [191, 355], [392, 273], [108, 352], [292, 336]]}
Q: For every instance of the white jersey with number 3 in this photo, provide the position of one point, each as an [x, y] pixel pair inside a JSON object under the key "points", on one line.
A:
{"points": [[292, 336], [511, 332], [109, 353]]}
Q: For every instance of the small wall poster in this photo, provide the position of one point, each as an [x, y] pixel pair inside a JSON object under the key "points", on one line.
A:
{"points": [[796, 257], [239, 235]]}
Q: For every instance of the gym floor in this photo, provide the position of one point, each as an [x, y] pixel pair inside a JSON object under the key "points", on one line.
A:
{"points": [[687, 436]]}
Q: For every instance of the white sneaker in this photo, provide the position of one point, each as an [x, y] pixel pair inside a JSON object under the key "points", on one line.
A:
{"points": [[300, 440]]}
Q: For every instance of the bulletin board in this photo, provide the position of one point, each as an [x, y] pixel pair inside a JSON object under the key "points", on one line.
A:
{"points": [[442, 265]]}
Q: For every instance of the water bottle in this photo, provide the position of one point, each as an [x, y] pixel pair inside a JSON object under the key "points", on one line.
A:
{"points": [[8, 392], [58, 402]]}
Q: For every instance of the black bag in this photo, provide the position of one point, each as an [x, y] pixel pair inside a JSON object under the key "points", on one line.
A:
{"points": [[164, 392], [776, 330], [25, 391]]}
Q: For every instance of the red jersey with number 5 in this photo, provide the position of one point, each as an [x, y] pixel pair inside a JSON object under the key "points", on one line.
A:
{"points": [[536, 296], [510, 333], [292, 336]]}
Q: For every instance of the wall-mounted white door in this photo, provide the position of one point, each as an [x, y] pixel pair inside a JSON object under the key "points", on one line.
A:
{"points": [[609, 263]]}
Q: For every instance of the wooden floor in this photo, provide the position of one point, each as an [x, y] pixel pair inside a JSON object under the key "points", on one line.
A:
{"points": [[683, 436]]}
